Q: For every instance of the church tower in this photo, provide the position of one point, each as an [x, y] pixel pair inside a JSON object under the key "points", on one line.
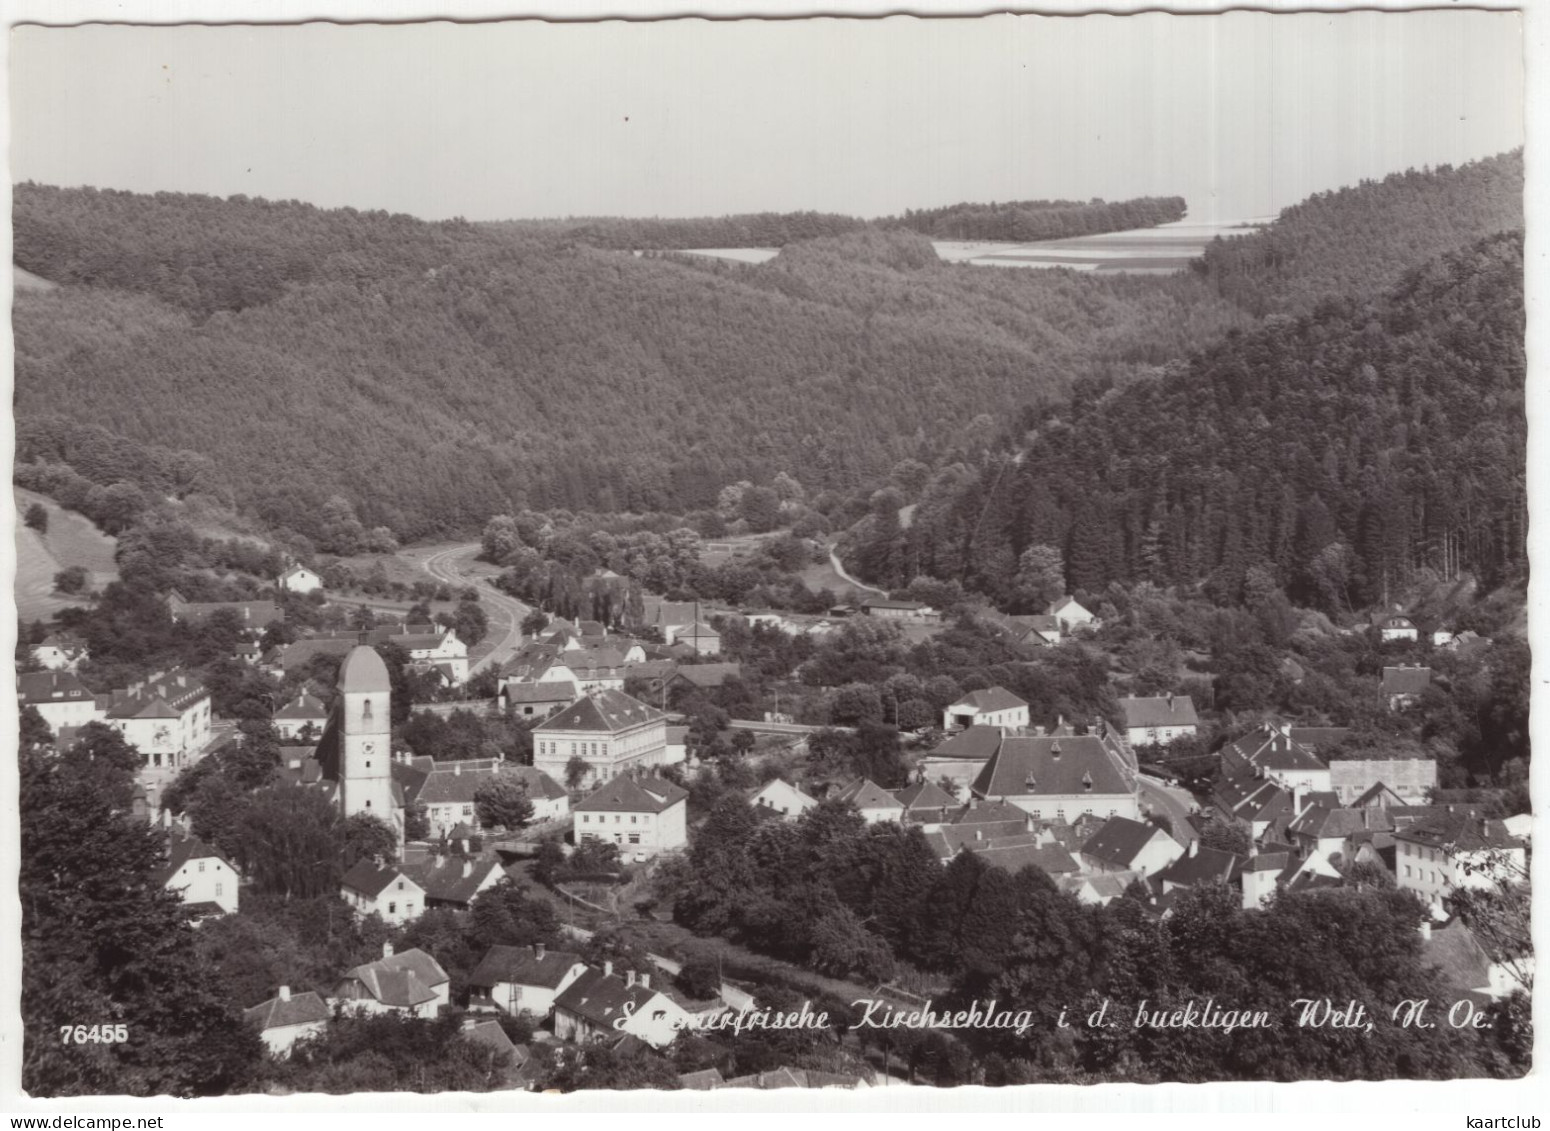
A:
{"points": [[364, 723]]}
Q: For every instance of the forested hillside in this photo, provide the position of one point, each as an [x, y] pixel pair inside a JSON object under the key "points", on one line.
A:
{"points": [[429, 375], [1022, 220], [1345, 450], [435, 374], [1015, 220], [1359, 240]]}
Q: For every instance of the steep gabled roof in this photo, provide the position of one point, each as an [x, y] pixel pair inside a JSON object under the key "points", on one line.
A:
{"points": [[600, 998], [925, 795], [1159, 711], [402, 980], [1203, 866], [1119, 841], [990, 699], [523, 966], [975, 743], [1069, 765], [1458, 831], [278, 1013], [541, 691], [452, 880], [625, 794], [51, 687], [184, 847], [305, 706], [372, 879], [606, 710], [866, 794]]}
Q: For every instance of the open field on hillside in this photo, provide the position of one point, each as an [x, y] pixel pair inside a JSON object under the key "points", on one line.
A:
{"points": [[71, 540]]}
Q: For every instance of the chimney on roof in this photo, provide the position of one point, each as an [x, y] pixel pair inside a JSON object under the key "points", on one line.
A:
{"points": [[387, 949], [285, 993], [979, 834], [468, 866], [1194, 846], [645, 981], [1426, 928], [457, 769], [629, 978], [608, 968], [538, 950]]}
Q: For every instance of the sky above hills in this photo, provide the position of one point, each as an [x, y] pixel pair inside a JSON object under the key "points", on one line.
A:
{"points": [[1242, 114]]}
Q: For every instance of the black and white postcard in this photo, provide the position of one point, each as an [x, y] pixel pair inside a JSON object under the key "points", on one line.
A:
{"points": [[819, 555]]}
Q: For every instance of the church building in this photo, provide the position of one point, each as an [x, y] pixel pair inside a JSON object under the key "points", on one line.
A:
{"points": [[355, 753]]}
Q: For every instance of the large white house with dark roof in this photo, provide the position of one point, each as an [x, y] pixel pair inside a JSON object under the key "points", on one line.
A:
{"points": [[992, 707], [1061, 778], [608, 730], [1158, 719], [60, 697], [642, 815]]}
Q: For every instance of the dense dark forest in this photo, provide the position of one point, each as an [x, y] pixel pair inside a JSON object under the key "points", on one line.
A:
{"points": [[294, 361], [435, 374], [1346, 449], [1359, 240], [1014, 220], [630, 233], [1021, 220]]}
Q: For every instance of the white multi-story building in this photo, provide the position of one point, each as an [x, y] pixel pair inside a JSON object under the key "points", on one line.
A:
{"points": [[1453, 851], [608, 730], [642, 815], [60, 697]]}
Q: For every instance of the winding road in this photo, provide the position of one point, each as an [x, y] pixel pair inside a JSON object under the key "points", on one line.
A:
{"points": [[455, 566], [1163, 799], [839, 568]]}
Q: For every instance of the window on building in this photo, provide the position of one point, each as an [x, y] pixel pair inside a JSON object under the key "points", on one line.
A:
{"points": [[392, 908], [468, 810], [635, 838], [220, 889], [400, 885], [368, 804], [201, 865]]}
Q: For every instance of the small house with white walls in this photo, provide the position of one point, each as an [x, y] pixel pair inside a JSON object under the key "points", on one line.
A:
{"points": [[300, 579], [1070, 614], [287, 1018], [371, 887], [523, 979], [783, 798], [412, 982], [601, 1006], [992, 707], [874, 803], [1158, 719], [205, 880]]}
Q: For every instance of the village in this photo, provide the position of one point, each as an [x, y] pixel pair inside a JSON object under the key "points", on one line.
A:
{"points": [[631, 740]]}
